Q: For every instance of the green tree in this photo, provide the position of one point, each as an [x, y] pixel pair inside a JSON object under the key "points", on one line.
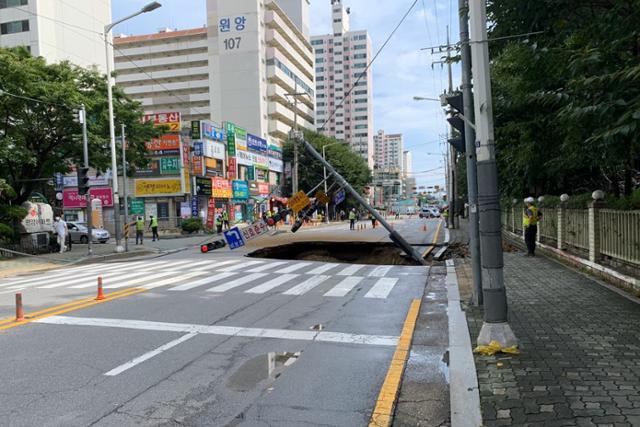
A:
{"points": [[9, 214], [38, 134]]}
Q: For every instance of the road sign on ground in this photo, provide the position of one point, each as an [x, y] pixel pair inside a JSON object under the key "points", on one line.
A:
{"points": [[299, 201], [254, 230], [234, 238], [322, 197]]}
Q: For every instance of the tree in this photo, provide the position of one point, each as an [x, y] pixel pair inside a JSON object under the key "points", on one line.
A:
{"points": [[9, 214], [38, 134], [350, 165]]}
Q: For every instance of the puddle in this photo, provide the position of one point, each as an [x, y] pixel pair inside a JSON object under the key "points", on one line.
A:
{"points": [[264, 367], [341, 252]]}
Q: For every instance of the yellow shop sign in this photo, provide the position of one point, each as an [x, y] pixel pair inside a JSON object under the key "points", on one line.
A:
{"points": [[156, 187]]}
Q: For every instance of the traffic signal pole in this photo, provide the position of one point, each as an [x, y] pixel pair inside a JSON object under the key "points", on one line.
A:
{"points": [[495, 326], [393, 235], [124, 189], [470, 153], [85, 149]]}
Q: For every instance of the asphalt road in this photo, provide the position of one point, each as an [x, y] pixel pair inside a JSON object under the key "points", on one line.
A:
{"points": [[213, 340]]}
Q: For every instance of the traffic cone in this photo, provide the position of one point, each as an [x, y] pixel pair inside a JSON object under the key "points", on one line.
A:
{"points": [[100, 296], [19, 309], [424, 227]]}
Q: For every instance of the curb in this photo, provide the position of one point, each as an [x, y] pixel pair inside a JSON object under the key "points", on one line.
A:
{"points": [[464, 392], [445, 245]]}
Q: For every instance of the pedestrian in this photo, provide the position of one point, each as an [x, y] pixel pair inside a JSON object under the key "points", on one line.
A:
{"points": [[219, 223], [61, 230], [225, 219], [352, 219], [397, 214], [530, 217], [373, 220], [139, 230], [153, 225]]}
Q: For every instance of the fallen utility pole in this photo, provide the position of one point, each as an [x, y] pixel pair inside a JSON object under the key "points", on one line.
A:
{"points": [[495, 326], [393, 235]]}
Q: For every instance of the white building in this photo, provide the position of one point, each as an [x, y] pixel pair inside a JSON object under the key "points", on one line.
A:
{"points": [[409, 180], [389, 151], [167, 71], [340, 60], [259, 55], [57, 30]]}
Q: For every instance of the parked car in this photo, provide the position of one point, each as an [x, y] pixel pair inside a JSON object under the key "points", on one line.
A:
{"points": [[429, 212], [78, 232]]}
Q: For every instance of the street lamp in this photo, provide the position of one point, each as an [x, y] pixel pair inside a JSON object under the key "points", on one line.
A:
{"points": [[112, 132], [326, 205], [425, 98]]}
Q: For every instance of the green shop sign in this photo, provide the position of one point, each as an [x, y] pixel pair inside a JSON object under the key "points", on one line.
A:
{"points": [[231, 138], [169, 165], [136, 207]]}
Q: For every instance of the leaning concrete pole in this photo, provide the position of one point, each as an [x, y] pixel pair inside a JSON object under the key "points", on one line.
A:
{"points": [[495, 326]]}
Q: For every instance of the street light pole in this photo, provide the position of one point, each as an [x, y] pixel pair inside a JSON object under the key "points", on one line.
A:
{"points": [[495, 326], [124, 186], [112, 132], [85, 150], [325, 179]]}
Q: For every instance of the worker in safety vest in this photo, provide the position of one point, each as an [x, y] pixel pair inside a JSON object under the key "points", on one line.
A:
{"points": [[153, 225], [139, 229], [352, 219], [219, 223], [530, 217], [225, 219]]}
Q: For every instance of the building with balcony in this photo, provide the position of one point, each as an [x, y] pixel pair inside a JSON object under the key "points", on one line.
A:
{"points": [[68, 30], [389, 151], [341, 59]]}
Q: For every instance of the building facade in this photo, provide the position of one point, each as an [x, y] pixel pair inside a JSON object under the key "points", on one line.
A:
{"points": [[341, 59], [57, 30], [389, 149], [388, 173]]}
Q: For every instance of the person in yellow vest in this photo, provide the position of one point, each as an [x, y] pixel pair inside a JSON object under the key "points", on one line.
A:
{"points": [[352, 219], [139, 223], [153, 225], [225, 219], [530, 217]]}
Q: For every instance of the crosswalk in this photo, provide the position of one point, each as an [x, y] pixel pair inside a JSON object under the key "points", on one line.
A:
{"points": [[249, 276]]}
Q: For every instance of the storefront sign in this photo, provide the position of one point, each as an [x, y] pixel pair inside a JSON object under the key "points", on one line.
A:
{"points": [[241, 139], [152, 169], [275, 152], [72, 200], [248, 158], [276, 165], [263, 188], [169, 166], [185, 210], [214, 149], [195, 129], [194, 207], [171, 119], [209, 130], [165, 142], [211, 212], [221, 188], [197, 165], [157, 187], [256, 143], [198, 148], [231, 138], [240, 189], [136, 207], [251, 173], [232, 168], [94, 181], [203, 186]]}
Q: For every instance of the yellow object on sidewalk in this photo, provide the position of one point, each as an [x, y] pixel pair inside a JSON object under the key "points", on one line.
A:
{"points": [[495, 347]]}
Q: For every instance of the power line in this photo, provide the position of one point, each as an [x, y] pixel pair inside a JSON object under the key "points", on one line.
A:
{"points": [[39, 101], [346, 96]]}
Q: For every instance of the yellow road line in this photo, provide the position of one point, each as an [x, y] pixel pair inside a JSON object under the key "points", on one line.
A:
{"points": [[435, 240], [382, 415], [66, 308]]}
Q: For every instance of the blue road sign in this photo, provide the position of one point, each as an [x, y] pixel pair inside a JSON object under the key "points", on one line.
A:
{"points": [[234, 238], [194, 206], [197, 148], [339, 197]]}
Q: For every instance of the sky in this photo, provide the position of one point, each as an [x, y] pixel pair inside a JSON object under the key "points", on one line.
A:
{"points": [[401, 71]]}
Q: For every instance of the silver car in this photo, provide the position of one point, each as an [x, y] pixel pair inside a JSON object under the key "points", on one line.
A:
{"points": [[78, 233]]}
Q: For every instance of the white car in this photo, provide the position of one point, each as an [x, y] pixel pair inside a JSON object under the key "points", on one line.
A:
{"points": [[428, 212], [78, 233]]}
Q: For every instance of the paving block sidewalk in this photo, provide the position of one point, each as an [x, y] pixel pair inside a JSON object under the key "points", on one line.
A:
{"points": [[580, 361]]}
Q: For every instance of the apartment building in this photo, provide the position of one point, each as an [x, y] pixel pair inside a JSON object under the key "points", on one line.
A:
{"points": [[57, 30], [167, 71], [389, 153], [341, 59], [409, 180]]}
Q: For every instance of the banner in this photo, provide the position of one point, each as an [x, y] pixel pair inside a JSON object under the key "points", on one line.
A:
{"points": [[165, 142], [171, 119], [157, 187], [240, 189], [221, 188], [232, 168], [211, 212], [241, 139], [72, 200], [231, 138], [169, 165], [256, 143], [203, 186]]}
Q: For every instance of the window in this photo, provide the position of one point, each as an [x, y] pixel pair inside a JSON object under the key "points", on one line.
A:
{"points": [[319, 50], [337, 20], [313, 42], [339, 123], [359, 101], [319, 87], [320, 112], [360, 46], [338, 81], [319, 79], [338, 63], [360, 109], [319, 60], [356, 75], [360, 65], [360, 118], [360, 134], [14, 27], [360, 56], [361, 126], [361, 83], [320, 104], [337, 44], [319, 69], [320, 96], [12, 3], [337, 34], [360, 92], [339, 115]]}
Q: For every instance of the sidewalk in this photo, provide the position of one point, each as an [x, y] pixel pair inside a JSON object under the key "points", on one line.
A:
{"points": [[580, 350]]}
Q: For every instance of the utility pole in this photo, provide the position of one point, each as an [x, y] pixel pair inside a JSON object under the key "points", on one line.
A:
{"points": [[470, 155], [124, 188], [294, 178], [85, 149], [495, 326]]}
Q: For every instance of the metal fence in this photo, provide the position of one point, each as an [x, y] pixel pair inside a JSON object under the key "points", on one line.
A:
{"points": [[548, 226], [620, 234], [577, 228]]}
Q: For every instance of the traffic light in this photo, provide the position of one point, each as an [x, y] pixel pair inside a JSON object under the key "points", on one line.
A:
{"points": [[78, 116], [212, 245], [83, 181], [456, 103]]}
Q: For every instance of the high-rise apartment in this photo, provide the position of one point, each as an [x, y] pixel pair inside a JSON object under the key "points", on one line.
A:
{"points": [[388, 151], [340, 60], [57, 30]]}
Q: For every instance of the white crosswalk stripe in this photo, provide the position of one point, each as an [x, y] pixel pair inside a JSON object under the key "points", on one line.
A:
{"points": [[206, 281], [382, 288], [267, 266], [179, 277], [47, 277], [344, 287], [109, 278], [237, 282], [306, 286], [213, 265], [241, 265], [352, 269], [293, 267], [380, 271], [66, 281], [323, 268], [142, 279], [273, 283]]}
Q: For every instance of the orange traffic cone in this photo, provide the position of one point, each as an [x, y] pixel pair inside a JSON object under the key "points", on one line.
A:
{"points": [[100, 296]]}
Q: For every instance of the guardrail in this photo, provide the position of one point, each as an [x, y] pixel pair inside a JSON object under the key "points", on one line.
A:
{"points": [[620, 235]]}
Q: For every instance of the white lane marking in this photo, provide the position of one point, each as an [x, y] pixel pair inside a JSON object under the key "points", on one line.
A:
{"points": [[179, 277], [107, 278], [47, 276], [242, 265], [293, 267], [143, 279], [205, 281], [321, 336], [382, 288], [238, 282], [352, 269], [344, 287], [266, 266], [321, 269], [267, 286], [65, 281], [213, 265], [380, 271], [120, 369], [306, 286]]}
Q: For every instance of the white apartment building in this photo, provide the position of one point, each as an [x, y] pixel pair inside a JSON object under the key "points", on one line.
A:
{"points": [[409, 180], [57, 30], [167, 71], [340, 60], [259, 56], [389, 152]]}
